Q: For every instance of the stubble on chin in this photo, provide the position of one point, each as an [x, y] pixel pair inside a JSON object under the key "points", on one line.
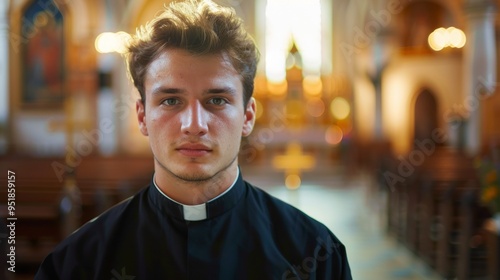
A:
{"points": [[198, 177]]}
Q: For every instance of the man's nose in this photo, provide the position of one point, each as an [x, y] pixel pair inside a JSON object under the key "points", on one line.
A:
{"points": [[194, 119]]}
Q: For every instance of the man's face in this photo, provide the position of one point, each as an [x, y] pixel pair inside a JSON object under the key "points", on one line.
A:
{"points": [[194, 114]]}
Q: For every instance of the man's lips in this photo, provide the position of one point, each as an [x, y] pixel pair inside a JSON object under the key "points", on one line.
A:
{"points": [[194, 150]]}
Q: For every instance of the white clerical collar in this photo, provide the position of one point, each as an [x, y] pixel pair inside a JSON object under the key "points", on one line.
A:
{"points": [[197, 212]]}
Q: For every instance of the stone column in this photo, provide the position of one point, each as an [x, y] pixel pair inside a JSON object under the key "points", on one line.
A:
{"points": [[381, 55], [4, 75], [377, 126], [479, 67]]}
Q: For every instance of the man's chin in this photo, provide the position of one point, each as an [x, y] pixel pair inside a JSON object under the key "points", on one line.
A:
{"points": [[192, 173], [199, 174], [193, 177]]}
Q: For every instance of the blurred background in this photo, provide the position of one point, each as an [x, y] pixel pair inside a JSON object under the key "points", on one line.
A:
{"points": [[380, 118]]}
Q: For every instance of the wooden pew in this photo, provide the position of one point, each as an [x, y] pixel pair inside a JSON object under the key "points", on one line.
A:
{"points": [[439, 214], [439, 224], [415, 216], [388, 165], [413, 211], [442, 170], [450, 210], [472, 262], [427, 219], [446, 251], [492, 236], [102, 182]]}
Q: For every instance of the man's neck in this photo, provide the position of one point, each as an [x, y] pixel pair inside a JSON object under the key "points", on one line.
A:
{"points": [[195, 192]]}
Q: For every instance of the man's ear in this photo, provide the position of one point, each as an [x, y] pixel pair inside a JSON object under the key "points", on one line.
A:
{"points": [[249, 121], [141, 116]]}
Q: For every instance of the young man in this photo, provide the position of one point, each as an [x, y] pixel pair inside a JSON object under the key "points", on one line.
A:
{"points": [[194, 67]]}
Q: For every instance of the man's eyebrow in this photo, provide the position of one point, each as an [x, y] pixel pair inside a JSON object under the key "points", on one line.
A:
{"points": [[224, 90], [167, 90], [170, 90]]}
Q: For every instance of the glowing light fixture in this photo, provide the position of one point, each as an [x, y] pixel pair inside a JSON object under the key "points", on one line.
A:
{"points": [[457, 37], [108, 42], [446, 37]]}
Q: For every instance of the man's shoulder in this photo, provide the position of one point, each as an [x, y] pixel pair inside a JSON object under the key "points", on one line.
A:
{"points": [[80, 252], [301, 238], [285, 216], [101, 228]]}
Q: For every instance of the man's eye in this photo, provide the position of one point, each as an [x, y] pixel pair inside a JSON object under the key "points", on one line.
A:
{"points": [[217, 101], [171, 101]]}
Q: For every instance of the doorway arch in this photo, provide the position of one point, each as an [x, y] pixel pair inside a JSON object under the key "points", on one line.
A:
{"points": [[425, 116]]}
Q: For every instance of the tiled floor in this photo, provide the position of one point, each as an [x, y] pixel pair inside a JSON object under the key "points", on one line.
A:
{"points": [[353, 215]]}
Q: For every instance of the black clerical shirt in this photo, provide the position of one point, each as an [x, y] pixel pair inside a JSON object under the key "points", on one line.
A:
{"points": [[247, 234]]}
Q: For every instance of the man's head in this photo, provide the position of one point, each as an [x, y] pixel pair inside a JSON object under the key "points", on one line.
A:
{"points": [[199, 27], [194, 67]]}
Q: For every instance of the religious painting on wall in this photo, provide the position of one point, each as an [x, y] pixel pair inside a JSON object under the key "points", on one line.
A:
{"points": [[42, 56]]}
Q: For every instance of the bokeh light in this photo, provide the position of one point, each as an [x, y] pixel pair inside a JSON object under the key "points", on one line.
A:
{"points": [[315, 107], [446, 37], [293, 181], [334, 135], [312, 85], [277, 89], [108, 42], [457, 37], [340, 108]]}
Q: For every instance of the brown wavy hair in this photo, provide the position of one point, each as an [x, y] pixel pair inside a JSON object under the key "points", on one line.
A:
{"points": [[199, 27]]}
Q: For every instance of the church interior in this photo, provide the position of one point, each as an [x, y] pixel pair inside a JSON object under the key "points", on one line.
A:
{"points": [[378, 118]]}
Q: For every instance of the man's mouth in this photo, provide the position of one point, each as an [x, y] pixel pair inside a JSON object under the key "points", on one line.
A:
{"points": [[194, 150]]}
